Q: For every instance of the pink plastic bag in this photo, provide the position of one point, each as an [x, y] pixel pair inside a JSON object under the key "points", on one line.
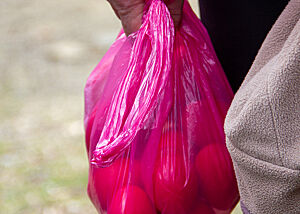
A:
{"points": [[154, 113]]}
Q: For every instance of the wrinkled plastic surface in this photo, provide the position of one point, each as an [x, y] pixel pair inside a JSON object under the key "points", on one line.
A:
{"points": [[154, 113]]}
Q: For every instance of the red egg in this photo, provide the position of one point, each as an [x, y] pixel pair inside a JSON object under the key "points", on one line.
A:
{"points": [[131, 200], [216, 176], [202, 208], [175, 183], [103, 182]]}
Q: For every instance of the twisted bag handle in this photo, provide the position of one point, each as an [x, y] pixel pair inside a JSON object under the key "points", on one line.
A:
{"points": [[144, 97]]}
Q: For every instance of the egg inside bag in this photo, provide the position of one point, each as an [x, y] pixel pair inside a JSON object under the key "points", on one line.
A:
{"points": [[154, 113]]}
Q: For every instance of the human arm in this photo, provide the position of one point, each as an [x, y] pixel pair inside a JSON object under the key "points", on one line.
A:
{"points": [[130, 12]]}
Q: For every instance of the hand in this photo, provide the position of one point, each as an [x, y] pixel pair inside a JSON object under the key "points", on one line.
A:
{"points": [[130, 12]]}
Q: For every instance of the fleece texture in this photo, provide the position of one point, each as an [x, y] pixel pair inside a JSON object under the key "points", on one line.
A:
{"points": [[262, 126]]}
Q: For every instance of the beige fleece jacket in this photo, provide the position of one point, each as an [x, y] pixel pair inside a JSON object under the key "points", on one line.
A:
{"points": [[263, 123]]}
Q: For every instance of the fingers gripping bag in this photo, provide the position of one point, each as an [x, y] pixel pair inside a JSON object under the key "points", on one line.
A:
{"points": [[154, 113]]}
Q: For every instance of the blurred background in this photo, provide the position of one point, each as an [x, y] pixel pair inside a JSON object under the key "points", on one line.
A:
{"points": [[47, 50]]}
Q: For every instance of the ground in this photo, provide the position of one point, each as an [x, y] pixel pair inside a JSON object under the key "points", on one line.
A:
{"points": [[47, 50]]}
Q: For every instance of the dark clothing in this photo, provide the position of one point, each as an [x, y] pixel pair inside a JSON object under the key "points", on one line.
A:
{"points": [[237, 29]]}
